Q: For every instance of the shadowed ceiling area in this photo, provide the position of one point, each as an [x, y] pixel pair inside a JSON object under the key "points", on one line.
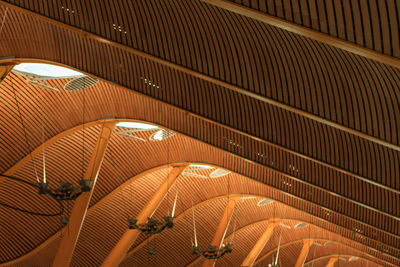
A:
{"points": [[271, 126]]}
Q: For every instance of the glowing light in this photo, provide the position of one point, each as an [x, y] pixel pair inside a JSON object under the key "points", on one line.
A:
{"points": [[137, 125], [202, 166], [46, 70], [219, 173], [353, 258]]}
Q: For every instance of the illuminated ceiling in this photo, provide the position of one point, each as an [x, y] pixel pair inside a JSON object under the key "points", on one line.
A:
{"points": [[307, 110]]}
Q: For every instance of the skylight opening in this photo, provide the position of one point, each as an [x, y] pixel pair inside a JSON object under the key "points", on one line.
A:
{"points": [[201, 166], [137, 125], [300, 225], [264, 202], [353, 258], [161, 135], [219, 173], [46, 70]]}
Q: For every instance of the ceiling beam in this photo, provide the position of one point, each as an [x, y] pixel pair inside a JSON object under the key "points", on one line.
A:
{"points": [[332, 261], [78, 214], [118, 253], [223, 226], [307, 243], [234, 8], [260, 244], [304, 31], [221, 230]]}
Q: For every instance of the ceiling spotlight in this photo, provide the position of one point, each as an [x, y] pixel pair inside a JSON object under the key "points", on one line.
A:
{"points": [[66, 191]]}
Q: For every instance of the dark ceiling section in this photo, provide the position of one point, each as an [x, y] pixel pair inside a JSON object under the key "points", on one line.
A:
{"points": [[373, 24]]}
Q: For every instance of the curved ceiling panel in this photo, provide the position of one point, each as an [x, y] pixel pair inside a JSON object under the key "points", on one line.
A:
{"points": [[372, 24], [121, 61], [104, 99], [316, 124]]}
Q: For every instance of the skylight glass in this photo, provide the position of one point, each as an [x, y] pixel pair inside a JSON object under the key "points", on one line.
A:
{"points": [[202, 166], [219, 173], [264, 202], [300, 225], [137, 125], [353, 258], [46, 70]]}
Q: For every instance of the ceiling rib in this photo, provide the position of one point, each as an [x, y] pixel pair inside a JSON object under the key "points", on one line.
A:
{"points": [[307, 243], [332, 261], [237, 89], [260, 244], [306, 32], [78, 214]]}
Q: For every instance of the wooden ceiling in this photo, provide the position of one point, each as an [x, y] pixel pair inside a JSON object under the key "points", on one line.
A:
{"points": [[260, 100]]}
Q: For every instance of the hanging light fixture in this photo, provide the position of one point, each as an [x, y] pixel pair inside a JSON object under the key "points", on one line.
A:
{"points": [[65, 191], [153, 226], [211, 252]]}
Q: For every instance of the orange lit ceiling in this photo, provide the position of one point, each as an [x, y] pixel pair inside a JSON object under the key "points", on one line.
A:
{"points": [[313, 120]]}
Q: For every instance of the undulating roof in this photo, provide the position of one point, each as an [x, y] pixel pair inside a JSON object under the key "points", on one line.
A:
{"points": [[296, 102]]}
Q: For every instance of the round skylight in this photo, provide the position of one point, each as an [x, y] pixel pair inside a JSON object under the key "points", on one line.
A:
{"points": [[137, 125], [46, 70]]}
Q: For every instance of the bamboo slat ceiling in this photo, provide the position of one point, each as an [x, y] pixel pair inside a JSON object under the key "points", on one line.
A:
{"points": [[284, 108]]}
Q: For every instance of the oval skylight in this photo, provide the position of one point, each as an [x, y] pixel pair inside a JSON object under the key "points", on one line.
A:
{"points": [[328, 243], [80, 83], [353, 258], [300, 225], [201, 166], [264, 202], [161, 135], [137, 125], [46, 70], [219, 173]]}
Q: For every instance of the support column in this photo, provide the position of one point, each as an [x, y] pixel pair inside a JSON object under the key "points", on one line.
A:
{"points": [[219, 234], [332, 261], [262, 241], [78, 213], [304, 252], [120, 250]]}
